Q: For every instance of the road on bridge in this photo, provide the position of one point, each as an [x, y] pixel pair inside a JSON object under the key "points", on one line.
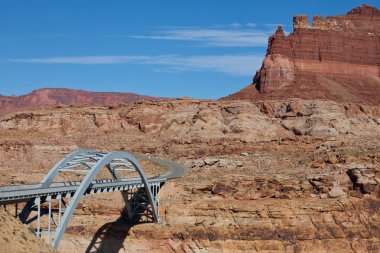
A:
{"points": [[175, 170], [20, 193]]}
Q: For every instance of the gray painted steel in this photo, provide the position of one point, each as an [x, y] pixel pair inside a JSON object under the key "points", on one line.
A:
{"points": [[101, 163], [91, 162], [55, 170]]}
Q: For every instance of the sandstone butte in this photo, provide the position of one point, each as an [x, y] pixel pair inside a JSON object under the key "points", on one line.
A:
{"points": [[57, 97], [335, 58]]}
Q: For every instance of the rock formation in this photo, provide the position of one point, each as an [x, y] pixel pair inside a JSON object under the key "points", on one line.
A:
{"points": [[335, 58], [286, 175], [55, 97], [273, 176]]}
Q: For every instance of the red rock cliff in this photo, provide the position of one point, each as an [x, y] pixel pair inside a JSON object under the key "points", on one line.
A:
{"points": [[53, 97], [335, 58]]}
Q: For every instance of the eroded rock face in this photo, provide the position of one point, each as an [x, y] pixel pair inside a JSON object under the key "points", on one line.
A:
{"points": [[192, 121], [56, 97], [335, 58], [274, 176]]}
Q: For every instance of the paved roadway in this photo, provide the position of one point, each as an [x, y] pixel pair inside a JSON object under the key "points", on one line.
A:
{"points": [[175, 170]]}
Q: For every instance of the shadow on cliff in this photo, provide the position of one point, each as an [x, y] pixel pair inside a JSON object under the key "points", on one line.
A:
{"points": [[111, 236]]}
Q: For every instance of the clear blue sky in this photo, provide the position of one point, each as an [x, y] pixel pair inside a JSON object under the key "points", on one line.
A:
{"points": [[169, 48]]}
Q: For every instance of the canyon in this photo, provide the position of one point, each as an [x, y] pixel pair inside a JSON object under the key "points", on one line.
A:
{"points": [[274, 176], [289, 164]]}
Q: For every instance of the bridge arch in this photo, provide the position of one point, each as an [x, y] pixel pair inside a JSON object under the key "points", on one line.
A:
{"points": [[94, 162], [140, 193], [104, 161], [48, 179]]}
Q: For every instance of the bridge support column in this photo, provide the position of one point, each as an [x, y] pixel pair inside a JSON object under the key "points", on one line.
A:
{"points": [[38, 203], [49, 220], [59, 197], [155, 190]]}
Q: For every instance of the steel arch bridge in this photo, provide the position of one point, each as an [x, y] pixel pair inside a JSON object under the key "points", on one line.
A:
{"points": [[58, 200]]}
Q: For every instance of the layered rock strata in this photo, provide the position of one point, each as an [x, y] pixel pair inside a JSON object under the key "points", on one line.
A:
{"points": [[334, 58], [278, 176]]}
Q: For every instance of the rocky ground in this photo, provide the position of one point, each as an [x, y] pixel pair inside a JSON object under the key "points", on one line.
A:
{"points": [[15, 237], [274, 176]]}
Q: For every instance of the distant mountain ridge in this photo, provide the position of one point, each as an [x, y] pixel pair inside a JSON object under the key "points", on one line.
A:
{"points": [[47, 97]]}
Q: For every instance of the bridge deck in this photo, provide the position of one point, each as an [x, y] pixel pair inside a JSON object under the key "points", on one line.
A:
{"points": [[21, 193]]}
